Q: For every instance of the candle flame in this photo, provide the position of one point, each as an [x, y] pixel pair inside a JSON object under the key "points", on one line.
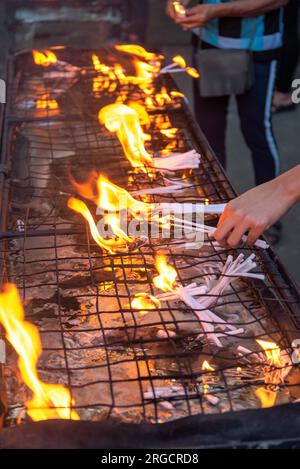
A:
{"points": [[44, 58], [112, 198], [124, 121], [109, 198], [49, 401], [179, 8], [272, 352], [138, 51], [192, 72], [179, 60], [206, 366], [80, 207], [144, 302], [166, 279]]}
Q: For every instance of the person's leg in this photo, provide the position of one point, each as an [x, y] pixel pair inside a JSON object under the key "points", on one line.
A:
{"points": [[211, 114], [256, 122], [290, 50]]}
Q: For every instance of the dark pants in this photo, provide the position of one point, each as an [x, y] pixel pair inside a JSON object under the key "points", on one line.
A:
{"points": [[254, 109], [290, 50]]}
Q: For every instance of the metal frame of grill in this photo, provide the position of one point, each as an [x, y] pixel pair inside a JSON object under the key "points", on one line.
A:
{"points": [[279, 296]]}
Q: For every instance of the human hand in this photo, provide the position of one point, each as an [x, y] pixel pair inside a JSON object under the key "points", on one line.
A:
{"points": [[198, 16], [253, 213]]}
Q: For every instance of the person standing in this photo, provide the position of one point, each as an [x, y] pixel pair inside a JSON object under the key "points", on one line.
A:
{"points": [[289, 58], [256, 25]]}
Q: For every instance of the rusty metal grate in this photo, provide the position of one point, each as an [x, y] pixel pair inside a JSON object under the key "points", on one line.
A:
{"points": [[116, 363]]}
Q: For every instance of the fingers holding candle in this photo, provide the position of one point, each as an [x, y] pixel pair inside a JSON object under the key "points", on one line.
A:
{"points": [[197, 16], [258, 209]]}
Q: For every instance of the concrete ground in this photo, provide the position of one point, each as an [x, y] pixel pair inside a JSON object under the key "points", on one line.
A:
{"points": [[164, 34]]}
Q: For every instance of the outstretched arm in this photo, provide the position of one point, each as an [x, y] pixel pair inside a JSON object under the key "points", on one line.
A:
{"points": [[200, 15], [258, 209]]}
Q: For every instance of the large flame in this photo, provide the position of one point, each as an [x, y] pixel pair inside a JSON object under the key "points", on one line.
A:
{"points": [[138, 51], [272, 352], [124, 121], [114, 198], [49, 401], [109, 198], [108, 245], [166, 279], [44, 58]]}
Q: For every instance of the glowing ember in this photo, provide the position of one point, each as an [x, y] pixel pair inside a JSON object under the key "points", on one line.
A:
{"points": [[99, 66], [169, 133], [166, 279], [124, 121], [107, 80], [144, 302], [49, 401], [44, 58], [45, 103], [206, 366], [272, 352], [267, 397], [139, 51]]}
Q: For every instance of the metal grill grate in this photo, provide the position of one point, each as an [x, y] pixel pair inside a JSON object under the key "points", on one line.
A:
{"points": [[115, 362]]}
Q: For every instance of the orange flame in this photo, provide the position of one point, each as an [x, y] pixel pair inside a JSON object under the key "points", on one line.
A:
{"points": [[108, 245], [44, 58], [179, 60], [179, 8], [49, 401], [272, 352], [206, 366], [45, 103], [144, 303], [87, 189], [139, 51], [166, 279], [108, 78], [146, 71], [111, 198], [124, 121], [192, 72], [267, 397]]}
